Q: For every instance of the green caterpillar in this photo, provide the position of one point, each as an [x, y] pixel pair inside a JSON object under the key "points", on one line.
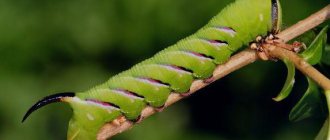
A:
{"points": [[171, 70]]}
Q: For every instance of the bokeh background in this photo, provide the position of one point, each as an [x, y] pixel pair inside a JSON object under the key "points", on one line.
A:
{"points": [[49, 46]]}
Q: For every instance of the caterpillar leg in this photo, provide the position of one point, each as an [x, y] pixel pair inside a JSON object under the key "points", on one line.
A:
{"points": [[119, 120], [160, 109], [258, 46], [271, 39], [209, 80]]}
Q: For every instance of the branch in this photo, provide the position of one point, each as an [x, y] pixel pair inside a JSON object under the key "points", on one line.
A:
{"points": [[300, 63], [235, 62], [305, 25]]}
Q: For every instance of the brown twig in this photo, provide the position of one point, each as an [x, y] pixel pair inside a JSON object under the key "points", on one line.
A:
{"points": [[300, 63], [306, 24], [236, 62]]}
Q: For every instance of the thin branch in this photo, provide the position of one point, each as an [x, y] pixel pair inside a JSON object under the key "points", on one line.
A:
{"points": [[236, 62], [306, 24], [301, 64]]}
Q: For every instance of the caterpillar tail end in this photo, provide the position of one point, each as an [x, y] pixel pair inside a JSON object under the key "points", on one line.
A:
{"points": [[48, 100]]}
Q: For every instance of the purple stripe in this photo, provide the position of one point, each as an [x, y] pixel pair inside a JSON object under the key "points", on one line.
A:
{"points": [[228, 30], [127, 93], [215, 43], [176, 68], [105, 104], [152, 81], [200, 56]]}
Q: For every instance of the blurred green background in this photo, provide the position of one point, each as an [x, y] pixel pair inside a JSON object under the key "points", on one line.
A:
{"points": [[49, 46]]}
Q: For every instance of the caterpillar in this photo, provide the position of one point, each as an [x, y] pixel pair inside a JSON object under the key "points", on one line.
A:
{"points": [[171, 70]]}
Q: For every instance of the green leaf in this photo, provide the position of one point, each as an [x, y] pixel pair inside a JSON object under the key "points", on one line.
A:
{"points": [[289, 82], [308, 37], [323, 133], [309, 104], [313, 53], [326, 55]]}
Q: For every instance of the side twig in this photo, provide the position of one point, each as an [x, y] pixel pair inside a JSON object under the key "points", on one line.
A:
{"points": [[236, 62], [301, 64]]}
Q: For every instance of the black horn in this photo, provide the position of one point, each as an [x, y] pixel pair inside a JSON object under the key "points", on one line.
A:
{"points": [[47, 100]]}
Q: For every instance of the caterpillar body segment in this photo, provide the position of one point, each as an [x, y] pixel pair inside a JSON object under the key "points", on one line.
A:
{"points": [[216, 50], [200, 66], [129, 104], [88, 115], [261, 20], [154, 93], [172, 69], [167, 74]]}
